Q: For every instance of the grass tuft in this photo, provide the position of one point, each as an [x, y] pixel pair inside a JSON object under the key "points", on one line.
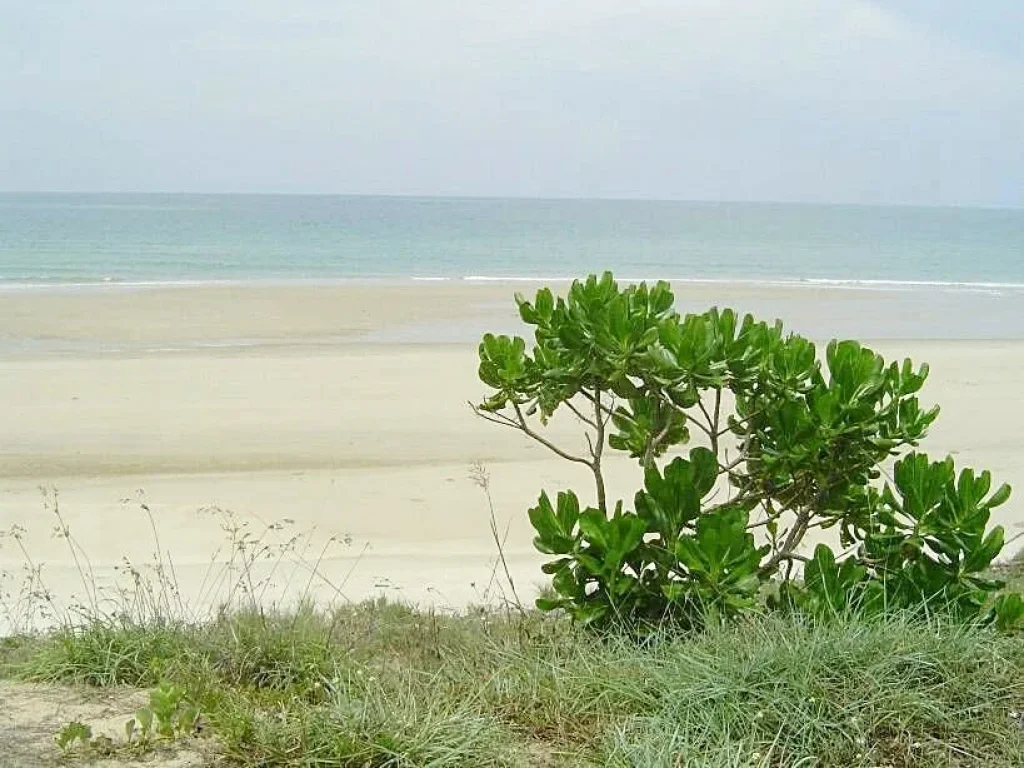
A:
{"points": [[383, 684]]}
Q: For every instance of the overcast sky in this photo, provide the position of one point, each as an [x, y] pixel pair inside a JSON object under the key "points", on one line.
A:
{"points": [[893, 101]]}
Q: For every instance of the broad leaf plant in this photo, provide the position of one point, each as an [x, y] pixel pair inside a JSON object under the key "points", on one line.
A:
{"points": [[747, 439]]}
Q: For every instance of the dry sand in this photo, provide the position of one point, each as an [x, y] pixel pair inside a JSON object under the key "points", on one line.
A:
{"points": [[336, 407], [31, 714]]}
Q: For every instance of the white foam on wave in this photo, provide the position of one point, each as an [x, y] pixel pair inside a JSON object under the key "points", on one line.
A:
{"points": [[944, 284], [113, 283], [781, 282], [515, 279]]}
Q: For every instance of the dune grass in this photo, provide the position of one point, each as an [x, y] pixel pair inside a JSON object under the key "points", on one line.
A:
{"points": [[381, 684]]}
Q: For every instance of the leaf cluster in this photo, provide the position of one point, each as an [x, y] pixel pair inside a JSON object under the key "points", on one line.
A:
{"points": [[739, 428], [168, 716]]}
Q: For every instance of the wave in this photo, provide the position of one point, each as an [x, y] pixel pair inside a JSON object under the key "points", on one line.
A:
{"points": [[42, 282], [781, 282], [956, 284]]}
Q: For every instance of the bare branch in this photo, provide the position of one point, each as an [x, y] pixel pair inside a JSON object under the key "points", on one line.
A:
{"points": [[700, 426], [711, 428], [520, 423], [663, 434], [771, 515], [597, 451], [598, 405], [710, 431], [580, 415], [793, 539], [744, 449], [794, 556], [738, 422], [724, 468], [494, 417], [543, 441]]}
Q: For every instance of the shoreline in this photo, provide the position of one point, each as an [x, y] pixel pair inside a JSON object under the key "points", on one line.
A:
{"points": [[119, 319], [860, 284]]}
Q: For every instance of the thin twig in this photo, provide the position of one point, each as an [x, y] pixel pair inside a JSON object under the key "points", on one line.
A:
{"points": [[793, 538], [723, 468], [738, 422], [545, 442], [598, 450], [608, 410], [520, 423], [710, 431], [580, 415]]}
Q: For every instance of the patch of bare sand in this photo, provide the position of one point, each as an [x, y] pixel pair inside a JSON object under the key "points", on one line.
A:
{"points": [[31, 714]]}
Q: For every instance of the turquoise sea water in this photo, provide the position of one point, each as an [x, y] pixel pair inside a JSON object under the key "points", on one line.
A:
{"points": [[62, 239]]}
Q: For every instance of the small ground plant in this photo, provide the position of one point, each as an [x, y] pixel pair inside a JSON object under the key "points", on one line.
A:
{"points": [[169, 716], [78, 735], [781, 441]]}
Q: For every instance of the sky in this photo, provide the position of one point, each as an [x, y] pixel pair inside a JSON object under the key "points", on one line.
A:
{"points": [[841, 101]]}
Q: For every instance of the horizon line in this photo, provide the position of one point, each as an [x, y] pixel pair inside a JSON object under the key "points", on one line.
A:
{"points": [[523, 198]]}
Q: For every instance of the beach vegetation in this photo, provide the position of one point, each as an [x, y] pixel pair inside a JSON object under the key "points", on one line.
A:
{"points": [[419, 688], [168, 717], [384, 684], [748, 438]]}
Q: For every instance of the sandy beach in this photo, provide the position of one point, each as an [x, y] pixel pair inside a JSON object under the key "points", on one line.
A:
{"points": [[343, 408]]}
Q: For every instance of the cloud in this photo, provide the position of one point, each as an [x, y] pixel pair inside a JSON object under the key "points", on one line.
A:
{"points": [[816, 100]]}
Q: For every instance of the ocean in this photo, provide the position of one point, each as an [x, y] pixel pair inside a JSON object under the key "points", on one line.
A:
{"points": [[71, 239]]}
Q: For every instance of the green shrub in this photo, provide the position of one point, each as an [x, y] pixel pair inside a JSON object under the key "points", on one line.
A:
{"points": [[790, 442]]}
